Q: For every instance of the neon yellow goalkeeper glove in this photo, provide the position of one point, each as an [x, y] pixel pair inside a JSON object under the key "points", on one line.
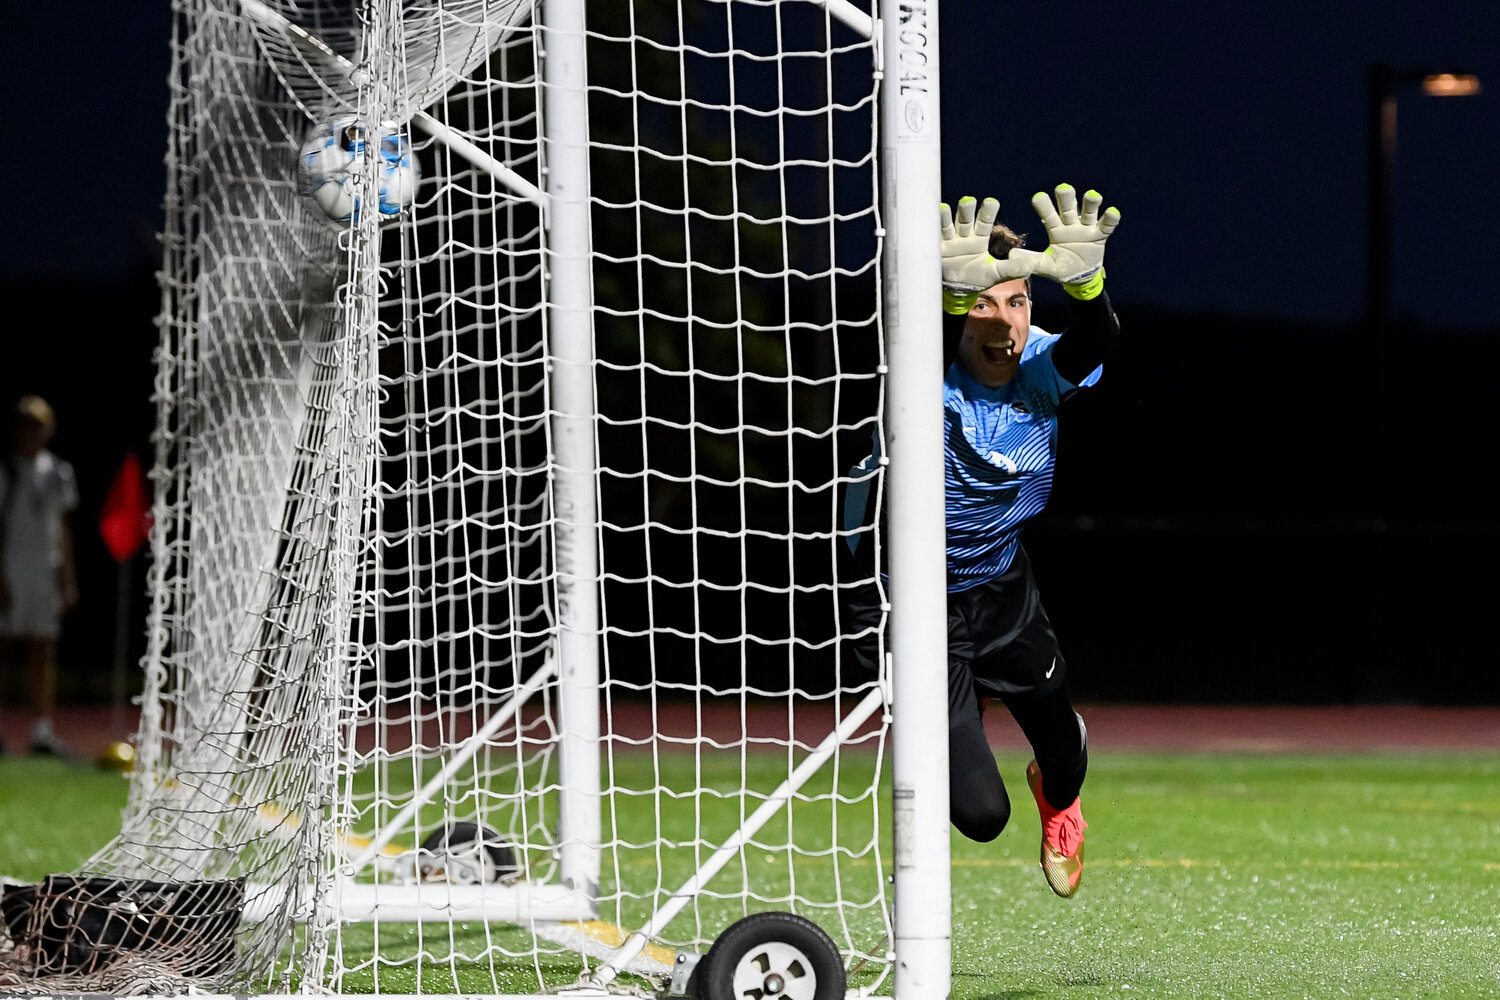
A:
{"points": [[1075, 241], [968, 268]]}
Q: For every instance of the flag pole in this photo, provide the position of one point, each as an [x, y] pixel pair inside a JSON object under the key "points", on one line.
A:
{"points": [[122, 644], [124, 524]]}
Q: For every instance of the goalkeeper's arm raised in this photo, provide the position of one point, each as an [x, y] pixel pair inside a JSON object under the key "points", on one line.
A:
{"points": [[1075, 259], [1076, 237], [1074, 256]]}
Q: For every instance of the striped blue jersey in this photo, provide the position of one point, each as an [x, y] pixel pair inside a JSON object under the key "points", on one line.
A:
{"points": [[1001, 450]]}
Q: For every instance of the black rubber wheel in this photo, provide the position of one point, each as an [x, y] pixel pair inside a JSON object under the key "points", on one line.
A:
{"points": [[772, 956], [466, 853]]}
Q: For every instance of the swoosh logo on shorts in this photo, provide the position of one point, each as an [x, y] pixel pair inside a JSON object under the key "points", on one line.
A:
{"points": [[1048, 674]]}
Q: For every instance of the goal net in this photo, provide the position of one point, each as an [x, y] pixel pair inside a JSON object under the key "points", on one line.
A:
{"points": [[497, 641]]}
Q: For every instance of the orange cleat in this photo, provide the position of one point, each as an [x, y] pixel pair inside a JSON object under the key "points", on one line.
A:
{"points": [[1062, 838]]}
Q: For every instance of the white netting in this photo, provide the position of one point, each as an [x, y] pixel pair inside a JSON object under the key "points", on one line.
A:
{"points": [[359, 552]]}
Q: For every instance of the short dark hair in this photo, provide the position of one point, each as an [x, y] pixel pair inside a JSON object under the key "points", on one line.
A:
{"points": [[36, 410], [1003, 240]]}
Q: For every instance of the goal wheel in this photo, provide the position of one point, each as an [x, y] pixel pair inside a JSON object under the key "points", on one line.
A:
{"points": [[466, 853], [772, 956]]}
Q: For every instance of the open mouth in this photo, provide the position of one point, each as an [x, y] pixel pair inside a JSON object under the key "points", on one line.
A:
{"points": [[997, 353]]}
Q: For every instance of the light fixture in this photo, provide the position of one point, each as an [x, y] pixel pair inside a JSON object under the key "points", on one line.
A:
{"points": [[1450, 85]]}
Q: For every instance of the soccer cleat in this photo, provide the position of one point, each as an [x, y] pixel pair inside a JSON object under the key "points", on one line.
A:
{"points": [[1062, 838]]}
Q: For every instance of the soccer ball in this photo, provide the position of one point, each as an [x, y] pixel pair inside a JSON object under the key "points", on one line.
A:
{"points": [[336, 168]]}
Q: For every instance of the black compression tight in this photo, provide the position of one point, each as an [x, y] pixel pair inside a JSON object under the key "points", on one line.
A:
{"points": [[977, 798]]}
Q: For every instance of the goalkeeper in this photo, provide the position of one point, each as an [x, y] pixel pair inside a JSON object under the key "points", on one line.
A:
{"points": [[1001, 397]]}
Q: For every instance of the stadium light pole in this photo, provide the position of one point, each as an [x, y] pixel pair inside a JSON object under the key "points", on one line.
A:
{"points": [[1384, 84]]}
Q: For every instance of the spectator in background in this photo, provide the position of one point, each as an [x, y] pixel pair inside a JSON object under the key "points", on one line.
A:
{"points": [[37, 580]]}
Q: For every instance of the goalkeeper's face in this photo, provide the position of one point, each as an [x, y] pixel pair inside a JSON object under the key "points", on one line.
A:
{"points": [[995, 332]]}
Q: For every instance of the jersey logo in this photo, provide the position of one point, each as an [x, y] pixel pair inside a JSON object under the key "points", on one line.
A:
{"points": [[1000, 461]]}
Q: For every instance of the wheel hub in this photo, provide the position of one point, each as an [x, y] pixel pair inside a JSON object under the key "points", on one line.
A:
{"points": [[775, 970]]}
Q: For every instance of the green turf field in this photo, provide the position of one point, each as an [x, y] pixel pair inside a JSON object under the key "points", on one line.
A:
{"points": [[1208, 876]]}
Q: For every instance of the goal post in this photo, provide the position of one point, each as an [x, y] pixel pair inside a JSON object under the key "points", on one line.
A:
{"points": [[575, 533], [500, 632], [918, 577]]}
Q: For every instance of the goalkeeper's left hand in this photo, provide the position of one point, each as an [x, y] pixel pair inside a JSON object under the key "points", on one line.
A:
{"points": [[1075, 241]]}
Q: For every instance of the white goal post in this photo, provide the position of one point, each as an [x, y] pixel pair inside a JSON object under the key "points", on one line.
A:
{"points": [[500, 632]]}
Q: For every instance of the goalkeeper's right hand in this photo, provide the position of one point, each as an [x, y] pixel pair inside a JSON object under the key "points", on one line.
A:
{"points": [[968, 268]]}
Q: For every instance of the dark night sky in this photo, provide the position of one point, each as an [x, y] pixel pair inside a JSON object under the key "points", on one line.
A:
{"points": [[1231, 137]]}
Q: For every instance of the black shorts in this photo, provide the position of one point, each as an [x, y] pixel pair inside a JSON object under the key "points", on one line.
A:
{"points": [[1000, 643]]}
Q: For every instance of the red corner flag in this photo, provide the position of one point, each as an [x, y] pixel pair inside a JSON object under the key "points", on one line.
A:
{"points": [[126, 518]]}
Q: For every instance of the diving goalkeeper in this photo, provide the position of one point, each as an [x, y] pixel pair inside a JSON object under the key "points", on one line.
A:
{"points": [[1001, 397]]}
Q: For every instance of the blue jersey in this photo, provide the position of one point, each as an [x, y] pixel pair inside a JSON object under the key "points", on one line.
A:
{"points": [[1001, 450]]}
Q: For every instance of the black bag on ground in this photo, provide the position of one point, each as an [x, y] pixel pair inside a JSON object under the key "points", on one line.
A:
{"points": [[77, 925]]}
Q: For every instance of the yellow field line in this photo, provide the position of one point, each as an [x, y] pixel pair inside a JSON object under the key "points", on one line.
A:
{"points": [[613, 935]]}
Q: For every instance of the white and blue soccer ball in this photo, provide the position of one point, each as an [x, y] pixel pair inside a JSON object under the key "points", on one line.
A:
{"points": [[336, 168]]}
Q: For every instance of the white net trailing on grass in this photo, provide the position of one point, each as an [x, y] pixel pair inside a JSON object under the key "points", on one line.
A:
{"points": [[499, 543]]}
